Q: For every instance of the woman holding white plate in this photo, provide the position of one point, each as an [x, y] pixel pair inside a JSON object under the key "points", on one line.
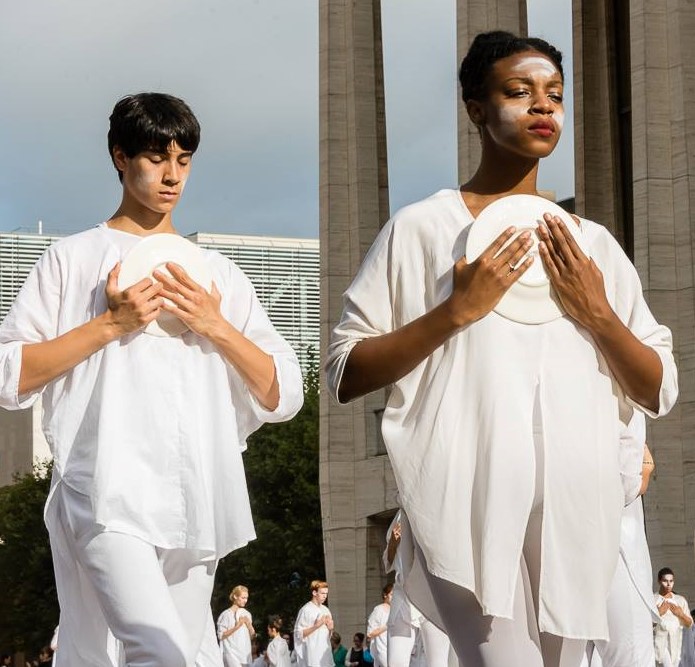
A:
{"points": [[507, 392]]}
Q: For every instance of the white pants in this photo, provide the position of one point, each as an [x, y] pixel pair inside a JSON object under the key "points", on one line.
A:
{"points": [[629, 626], [155, 601], [487, 641], [436, 646]]}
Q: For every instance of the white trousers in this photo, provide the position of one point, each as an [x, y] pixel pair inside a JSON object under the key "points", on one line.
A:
{"points": [[156, 602], [629, 626], [487, 641], [401, 642]]}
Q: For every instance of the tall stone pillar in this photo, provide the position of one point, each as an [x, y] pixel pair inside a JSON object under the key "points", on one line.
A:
{"points": [[472, 17], [356, 482], [602, 117], [663, 111]]}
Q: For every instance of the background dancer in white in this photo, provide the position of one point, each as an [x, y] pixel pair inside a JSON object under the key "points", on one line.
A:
{"points": [[407, 626], [312, 629], [630, 603], [235, 630], [674, 617], [377, 626]]}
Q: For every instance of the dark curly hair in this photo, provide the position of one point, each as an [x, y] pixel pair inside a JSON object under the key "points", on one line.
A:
{"points": [[489, 47]]}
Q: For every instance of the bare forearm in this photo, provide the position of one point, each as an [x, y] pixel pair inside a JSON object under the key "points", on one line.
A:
{"points": [[256, 368], [636, 366], [44, 362], [377, 362], [376, 632]]}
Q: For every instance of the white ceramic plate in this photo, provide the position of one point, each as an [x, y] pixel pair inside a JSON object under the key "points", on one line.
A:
{"points": [[531, 299], [152, 253]]}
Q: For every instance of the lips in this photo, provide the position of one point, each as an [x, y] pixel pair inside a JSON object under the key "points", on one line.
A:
{"points": [[542, 128]]}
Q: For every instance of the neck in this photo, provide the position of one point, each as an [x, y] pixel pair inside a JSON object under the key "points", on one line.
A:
{"points": [[499, 174], [136, 219]]}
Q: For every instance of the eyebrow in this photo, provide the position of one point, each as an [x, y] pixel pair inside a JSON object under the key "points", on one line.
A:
{"points": [[530, 82]]}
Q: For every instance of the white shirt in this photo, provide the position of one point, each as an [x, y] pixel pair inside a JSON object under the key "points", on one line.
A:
{"points": [[400, 608], [238, 644], [314, 650], [378, 645], [151, 428], [459, 432], [278, 652], [668, 632], [634, 550]]}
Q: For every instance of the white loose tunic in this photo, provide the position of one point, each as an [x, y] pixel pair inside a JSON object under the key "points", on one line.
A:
{"points": [[151, 428], [459, 430], [236, 648], [378, 646], [668, 632], [314, 650], [278, 652]]}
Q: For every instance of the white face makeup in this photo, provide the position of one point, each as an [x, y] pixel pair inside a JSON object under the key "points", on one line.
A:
{"points": [[540, 66], [535, 62]]}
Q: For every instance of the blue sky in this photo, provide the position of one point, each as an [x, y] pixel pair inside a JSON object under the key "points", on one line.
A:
{"points": [[249, 69]]}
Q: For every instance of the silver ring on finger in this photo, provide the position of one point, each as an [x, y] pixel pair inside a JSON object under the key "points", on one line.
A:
{"points": [[511, 268]]}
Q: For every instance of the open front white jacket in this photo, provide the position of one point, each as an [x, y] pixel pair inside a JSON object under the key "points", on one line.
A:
{"points": [[459, 430], [151, 428]]}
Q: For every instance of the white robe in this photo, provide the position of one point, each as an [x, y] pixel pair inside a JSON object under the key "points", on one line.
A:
{"points": [[668, 633], [459, 432], [151, 428], [378, 645], [236, 648], [314, 650], [278, 652]]}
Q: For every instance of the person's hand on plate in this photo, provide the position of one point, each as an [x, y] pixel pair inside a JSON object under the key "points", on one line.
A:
{"points": [[577, 281], [189, 301], [480, 285], [136, 306]]}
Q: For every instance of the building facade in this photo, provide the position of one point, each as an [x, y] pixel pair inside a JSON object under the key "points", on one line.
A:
{"points": [[284, 272]]}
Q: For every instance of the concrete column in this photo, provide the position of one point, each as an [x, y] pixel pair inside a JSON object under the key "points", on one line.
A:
{"points": [[356, 481], [663, 109], [596, 159], [472, 17]]}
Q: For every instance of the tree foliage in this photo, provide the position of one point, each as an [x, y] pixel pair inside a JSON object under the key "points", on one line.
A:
{"points": [[29, 609], [282, 470]]}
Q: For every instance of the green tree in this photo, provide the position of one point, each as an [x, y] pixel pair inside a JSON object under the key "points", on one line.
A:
{"points": [[29, 609], [282, 470]]}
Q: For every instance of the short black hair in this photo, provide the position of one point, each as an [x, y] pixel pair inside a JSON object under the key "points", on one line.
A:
{"points": [[489, 47], [151, 122], [663, 572]]}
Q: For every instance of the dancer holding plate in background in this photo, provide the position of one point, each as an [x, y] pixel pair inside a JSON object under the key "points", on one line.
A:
{"points": [[502, 425]]}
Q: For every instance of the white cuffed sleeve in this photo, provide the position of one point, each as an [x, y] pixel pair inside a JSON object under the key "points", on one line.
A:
{"points": [[631, 454], [33, 318], [244, 311], [634, 312], [367, 309]]}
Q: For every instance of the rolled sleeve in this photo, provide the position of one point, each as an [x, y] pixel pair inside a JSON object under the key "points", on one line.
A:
{"points": [[367, 307], [291, 389], [668, 391], [33, 318], [10, 369], [632, 308]]}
